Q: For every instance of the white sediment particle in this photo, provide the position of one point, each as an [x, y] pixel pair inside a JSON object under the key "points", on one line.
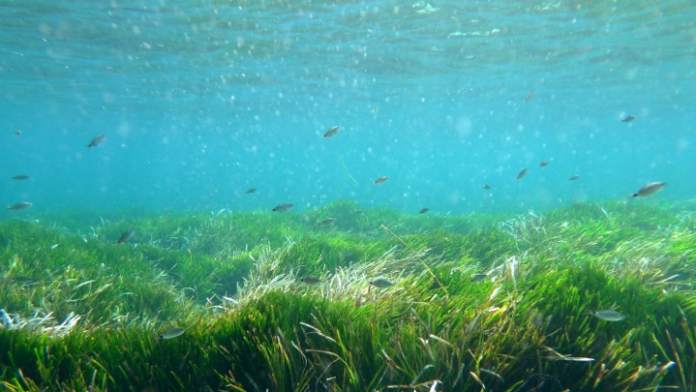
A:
{"points": [[424, 8], [474, 33]]}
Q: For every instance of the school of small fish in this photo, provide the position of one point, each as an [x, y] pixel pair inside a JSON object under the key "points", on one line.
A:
{"points": [[381, 283], [647, 190]]}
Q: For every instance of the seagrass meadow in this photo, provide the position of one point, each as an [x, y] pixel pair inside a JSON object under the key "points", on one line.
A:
{"points": [[478, 302]]}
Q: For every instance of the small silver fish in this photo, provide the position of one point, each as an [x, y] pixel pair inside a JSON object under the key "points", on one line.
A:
{"points": [[171, 333], [22, 280], [381, 180], [529, 95], [332, 132], [97, 141], [381, 283], [650, 189], [574, 177], [326, 221], [628, 118], [522, 173], [543, 164], [126, 236], [310, 280], [607, 315], [20, 177], [20, 206], [485, 186], [250, 190], [478, 277], [283, 207]]}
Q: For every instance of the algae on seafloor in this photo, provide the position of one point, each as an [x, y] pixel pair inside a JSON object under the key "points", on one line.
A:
{"points": [[82, 312]]}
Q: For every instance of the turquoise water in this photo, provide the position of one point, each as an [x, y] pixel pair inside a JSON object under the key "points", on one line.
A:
{"points": [[201, 100]]}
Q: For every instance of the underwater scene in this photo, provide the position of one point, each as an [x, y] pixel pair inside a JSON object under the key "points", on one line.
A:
{"points": [[376, 195]]}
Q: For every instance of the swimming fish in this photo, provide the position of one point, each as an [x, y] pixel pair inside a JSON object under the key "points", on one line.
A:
{"points": [[522, 173], [478, 277], [650, 189], [126, 236], [332, 131], [543, 164], [574, 177], [18, 132], [20, 206], [22, 280], [20, 177], [529, 96], [607, 315], [381, 180], [628, 118], [282, 207], [424, 211], [381, 283], [171, 333], [485, 186], [97, 141], [326, 221], [310, 280], [250, 190]]}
